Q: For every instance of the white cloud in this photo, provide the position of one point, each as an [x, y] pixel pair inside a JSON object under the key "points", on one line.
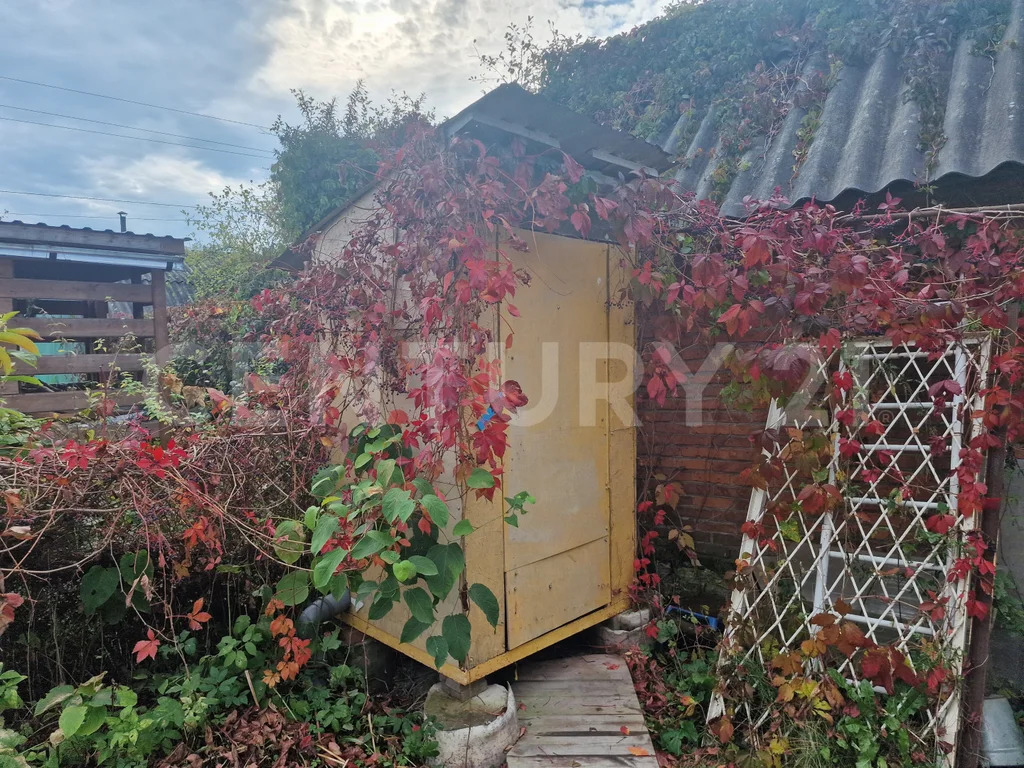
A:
{"points": [[324, 46], [158, 177]]}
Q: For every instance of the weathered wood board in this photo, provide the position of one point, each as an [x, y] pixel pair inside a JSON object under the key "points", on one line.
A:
{"points": [[580, 712]]}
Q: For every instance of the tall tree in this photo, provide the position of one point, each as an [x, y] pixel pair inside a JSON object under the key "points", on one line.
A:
{"points": [[332, 154], [237, 234]]}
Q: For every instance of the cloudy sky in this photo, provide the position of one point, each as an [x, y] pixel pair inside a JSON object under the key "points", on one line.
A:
{"points": [[233, 59]]}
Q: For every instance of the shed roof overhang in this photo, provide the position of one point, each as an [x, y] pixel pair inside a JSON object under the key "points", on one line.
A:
{"points": [[101, 247], [511, 111]]}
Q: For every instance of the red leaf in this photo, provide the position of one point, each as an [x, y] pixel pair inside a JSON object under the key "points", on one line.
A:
{"points": [[755, 251], [572, 169], [940, 524], [874, 428], [830, 341], [977, 609], [146, 649]]}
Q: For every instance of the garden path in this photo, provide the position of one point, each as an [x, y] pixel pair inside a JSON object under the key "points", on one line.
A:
{"points": [[580, 712]]}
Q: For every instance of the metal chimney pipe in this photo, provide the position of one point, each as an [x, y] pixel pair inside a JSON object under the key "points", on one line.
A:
{"points": [[124, 220]]}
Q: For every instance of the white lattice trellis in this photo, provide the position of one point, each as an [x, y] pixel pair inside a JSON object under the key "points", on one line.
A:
{"points": [[874, 552]]}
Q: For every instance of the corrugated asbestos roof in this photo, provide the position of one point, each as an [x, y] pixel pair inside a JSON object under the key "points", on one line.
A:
{"points": [[869, 132]]}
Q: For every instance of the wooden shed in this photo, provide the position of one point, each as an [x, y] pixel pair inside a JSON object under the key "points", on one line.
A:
{"points": [[569, 564], [97, 298]]}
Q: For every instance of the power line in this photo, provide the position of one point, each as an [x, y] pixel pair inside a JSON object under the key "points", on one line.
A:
{"points": [[137, 138], [134, 128], [52, 215], [132, 101], [100, 199]]}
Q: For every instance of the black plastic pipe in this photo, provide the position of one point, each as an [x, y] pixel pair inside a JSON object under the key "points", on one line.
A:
{"points": [[322, 609]]}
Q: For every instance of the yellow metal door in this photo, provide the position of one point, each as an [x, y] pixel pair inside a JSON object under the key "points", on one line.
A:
{"points": [[557, 560]]}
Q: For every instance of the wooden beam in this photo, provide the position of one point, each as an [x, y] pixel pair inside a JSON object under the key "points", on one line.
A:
{"points": [[61, 402], [86, 328], [73, 290], [58, 364], [161, 337], [7, 305], [480, 671]]}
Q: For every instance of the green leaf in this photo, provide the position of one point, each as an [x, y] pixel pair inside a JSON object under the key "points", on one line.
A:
{"points": [[339, 508], [455, 630], [362, 460], [133, 565], [404, 570], [324, 482], [289, 541], [337, 585], [325, 566], [397, 505], [293, 588], [437, 510], [450, 562], [93, 720], [512, 520], [310, 517], [413, 628], [380, 607], [480, 478], [390, 557], [385, 471], [424, 566], [326, 527], [390, 587], [463, 528], [486, 602], [790, 529], [420, 605], [423, 486], [53, 697], [242, 623], [71, 719], [367, 546], [437, 647], [98, 586]]}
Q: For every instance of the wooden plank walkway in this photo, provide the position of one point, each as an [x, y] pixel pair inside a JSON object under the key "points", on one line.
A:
{"points": [[580, 712]]}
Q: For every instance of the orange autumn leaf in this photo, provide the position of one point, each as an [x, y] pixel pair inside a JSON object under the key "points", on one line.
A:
{"points": [[146, 649], [638, 751], [725, 730], [625, 730], [197, 616]]}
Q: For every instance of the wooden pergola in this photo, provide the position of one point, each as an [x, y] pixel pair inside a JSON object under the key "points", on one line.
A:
{"points": [[98, 299]]}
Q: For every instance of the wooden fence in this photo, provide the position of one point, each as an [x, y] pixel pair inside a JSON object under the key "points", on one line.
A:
{"points": [[81, 312]]}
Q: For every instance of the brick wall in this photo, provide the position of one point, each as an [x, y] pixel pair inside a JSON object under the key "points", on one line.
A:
{"points": [[706, 458]]}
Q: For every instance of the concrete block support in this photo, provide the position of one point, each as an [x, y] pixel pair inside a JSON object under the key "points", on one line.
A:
{"points": [[622, 632]]}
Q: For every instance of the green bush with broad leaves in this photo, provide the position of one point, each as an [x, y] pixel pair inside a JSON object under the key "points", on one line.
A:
{"points": [[369, 512], [190, 704]]}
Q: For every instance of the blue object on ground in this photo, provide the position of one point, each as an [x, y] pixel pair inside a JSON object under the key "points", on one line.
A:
{"points": [[712, 621], [485, 418]]}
